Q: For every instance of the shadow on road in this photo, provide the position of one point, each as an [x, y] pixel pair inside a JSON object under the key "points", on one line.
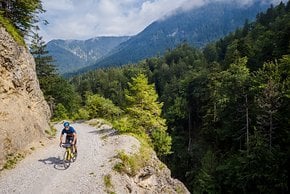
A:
{"points": [[55, 161]]}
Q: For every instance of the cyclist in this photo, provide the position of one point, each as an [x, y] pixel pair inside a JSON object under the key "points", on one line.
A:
{"points": [[71, 135]]}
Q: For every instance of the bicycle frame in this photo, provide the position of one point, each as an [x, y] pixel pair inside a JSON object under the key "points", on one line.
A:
{"points": [[69, 156]]}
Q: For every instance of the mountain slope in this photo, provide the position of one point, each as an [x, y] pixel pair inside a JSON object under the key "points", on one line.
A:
{"points": [[197, 27], [71, 55]]}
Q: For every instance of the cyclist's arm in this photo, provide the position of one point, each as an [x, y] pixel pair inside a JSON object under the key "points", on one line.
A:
{"points": [[60, 139], [75, 138]]}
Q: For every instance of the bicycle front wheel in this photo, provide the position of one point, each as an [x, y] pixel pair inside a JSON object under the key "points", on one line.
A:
{"points": [[66, 159]]}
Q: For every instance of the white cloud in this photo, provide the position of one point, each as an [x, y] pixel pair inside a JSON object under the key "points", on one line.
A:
{"points": [[75, 19]]}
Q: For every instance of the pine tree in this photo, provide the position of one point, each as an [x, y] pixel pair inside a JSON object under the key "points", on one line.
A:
{"points": [[55, 88], [43, 61], [45, 70], [22, 13], [145, 112]]}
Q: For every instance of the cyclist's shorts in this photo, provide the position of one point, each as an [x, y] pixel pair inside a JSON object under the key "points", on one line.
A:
{"points": [[70, 139]]}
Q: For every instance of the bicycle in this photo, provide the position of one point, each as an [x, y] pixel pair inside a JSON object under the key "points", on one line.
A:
{"points": [[68, 156]]}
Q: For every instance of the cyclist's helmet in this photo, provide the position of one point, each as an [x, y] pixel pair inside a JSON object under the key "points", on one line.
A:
{"points": [[66, 124]]}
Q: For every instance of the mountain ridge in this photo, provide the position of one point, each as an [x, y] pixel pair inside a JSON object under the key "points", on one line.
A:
{"points": [[71, 55], [197, 27]]}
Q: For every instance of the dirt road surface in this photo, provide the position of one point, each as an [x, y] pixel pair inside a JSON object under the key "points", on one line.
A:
{"points": [[42, 171]]}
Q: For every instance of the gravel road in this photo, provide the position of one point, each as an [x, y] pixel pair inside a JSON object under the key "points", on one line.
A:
{"points": [[42, 172]]}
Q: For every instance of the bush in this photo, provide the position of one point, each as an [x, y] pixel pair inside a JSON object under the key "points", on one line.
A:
{"points": [[81, 114], [161, 142], [60, 113], [99, 107], [12, 30]]}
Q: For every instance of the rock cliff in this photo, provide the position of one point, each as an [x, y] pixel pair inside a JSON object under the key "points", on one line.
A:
{"points": [[135, 169], [24, 114]]}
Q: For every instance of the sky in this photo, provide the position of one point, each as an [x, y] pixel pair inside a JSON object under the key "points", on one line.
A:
{"points": [[84, 19]]}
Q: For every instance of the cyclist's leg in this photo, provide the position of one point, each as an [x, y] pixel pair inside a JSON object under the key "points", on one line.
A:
{"points": [[75, 146], [69, 139]]}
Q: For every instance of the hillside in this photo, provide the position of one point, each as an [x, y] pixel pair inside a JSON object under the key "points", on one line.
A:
{"points": [[71, 55], [196, 27], [226, 106]]}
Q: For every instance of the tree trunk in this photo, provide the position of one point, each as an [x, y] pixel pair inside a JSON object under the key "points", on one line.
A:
{"points": [[271, 129], [189, 130], [247, 123]]}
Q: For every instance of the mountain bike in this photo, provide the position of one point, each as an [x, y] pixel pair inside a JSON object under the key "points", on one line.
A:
{"points": [[68, 155]]}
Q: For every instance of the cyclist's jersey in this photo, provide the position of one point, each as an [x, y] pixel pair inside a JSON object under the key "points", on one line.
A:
{"points": [[68, 132]]}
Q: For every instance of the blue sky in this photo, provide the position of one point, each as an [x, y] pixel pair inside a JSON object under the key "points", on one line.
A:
{"points": [[84, 19]]}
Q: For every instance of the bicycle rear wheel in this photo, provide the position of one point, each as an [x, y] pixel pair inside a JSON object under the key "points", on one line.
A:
{"points": [[66, 159]]}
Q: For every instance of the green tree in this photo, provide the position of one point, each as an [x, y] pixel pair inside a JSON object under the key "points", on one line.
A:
{"points": [[22, 13], [60, 112], [100, 107], [145, 113], [205, 181], [268, 90], [55, 88], [44, 62]]}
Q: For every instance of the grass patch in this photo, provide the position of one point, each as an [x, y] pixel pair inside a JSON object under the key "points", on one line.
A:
{"points": [[12, 30], [52, 131], [12, 160], [131, 164], [179, 190], [108, 181]]}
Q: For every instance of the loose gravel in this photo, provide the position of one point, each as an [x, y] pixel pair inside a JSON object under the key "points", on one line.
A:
{"points": [[42, 171]]}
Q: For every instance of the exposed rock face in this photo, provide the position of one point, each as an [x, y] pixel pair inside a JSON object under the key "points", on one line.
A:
{"points": [[153, 178], [24, 114]]}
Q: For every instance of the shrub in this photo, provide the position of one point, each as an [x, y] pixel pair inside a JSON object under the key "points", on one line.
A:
{"points": [[60, 112], [98, 106]]}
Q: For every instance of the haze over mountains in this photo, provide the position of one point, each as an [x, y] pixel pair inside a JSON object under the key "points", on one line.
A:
{"points": [[196, 27], [71, 55]]}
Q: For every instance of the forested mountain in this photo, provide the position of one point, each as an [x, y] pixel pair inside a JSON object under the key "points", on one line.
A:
{"points": [[226, 106], [71, 55], [196, 27]]}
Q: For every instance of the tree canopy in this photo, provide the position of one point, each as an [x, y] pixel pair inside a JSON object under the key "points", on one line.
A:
{"points": [[23, 14]]}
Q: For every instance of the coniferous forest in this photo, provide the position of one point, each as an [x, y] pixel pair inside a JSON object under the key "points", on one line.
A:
{"points": [[218, 117], [226, 106]]}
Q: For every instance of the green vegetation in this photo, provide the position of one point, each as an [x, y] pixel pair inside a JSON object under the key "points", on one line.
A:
{"points": [[143, 115], [218, 117], [108, 184], [60, 95], [197, 27], [12, 30], [19, 17], [60, 112], [52, 131], [131, 164], [226, 108], [12, 160], [99, 107], [108, 181], [22, 14]]}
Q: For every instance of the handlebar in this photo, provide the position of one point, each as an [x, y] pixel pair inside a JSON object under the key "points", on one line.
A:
{"points": [[66, 145]]}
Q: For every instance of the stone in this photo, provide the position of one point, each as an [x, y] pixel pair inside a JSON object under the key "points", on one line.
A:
{"points": [[24, 114]]}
